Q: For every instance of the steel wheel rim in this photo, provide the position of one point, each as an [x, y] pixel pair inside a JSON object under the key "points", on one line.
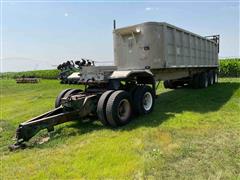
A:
{"points": [[147, 101], [211, 80], [216, 77], [206, 83], [124, 109]]}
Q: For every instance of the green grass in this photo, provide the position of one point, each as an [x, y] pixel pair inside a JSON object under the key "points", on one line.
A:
{"points": [[192, 134]]}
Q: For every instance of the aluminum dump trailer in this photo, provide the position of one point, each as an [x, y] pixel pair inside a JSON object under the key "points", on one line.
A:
{"points": [[168, 51], [144, 54]]}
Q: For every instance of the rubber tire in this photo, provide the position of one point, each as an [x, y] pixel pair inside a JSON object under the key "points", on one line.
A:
{"points": [[166, 84], [203, 80], [172, 84], [210, 78], [101, 107], [112, 105], [138, 100], [60, 96], [194, 82], [72, 91]]}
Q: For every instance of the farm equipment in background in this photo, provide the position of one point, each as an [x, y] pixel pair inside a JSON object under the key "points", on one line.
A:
{"points": [[143, 54], [66, 69], [69, 67], [29, 79]]}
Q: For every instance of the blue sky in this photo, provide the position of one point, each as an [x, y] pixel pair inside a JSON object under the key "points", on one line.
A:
{"points": [[38, 35]]}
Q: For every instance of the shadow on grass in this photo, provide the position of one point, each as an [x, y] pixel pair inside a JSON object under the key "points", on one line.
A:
{"points": [[186, 99], [168, 103]]}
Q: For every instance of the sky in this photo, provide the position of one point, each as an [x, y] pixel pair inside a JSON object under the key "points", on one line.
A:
{"points": [[41, 35]]}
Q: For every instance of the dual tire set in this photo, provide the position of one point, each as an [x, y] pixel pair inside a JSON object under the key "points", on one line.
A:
{"points": [[204, 79], [115, 108], [199, 80]]}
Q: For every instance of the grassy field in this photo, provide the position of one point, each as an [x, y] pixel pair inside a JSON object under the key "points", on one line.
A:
{"points": [[192, 134]]}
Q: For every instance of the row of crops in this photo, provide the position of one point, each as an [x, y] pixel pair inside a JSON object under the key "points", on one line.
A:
{"points": [[44, 74], [228, 68]]}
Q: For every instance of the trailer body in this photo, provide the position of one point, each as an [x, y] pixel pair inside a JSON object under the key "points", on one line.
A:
{"points": [[161, 45], [168, 51]]}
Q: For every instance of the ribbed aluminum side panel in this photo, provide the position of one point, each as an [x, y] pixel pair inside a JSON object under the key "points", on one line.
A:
{"points": [[169, 47], [185, 49]]}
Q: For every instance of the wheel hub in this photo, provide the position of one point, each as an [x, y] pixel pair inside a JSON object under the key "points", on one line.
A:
{"points": [[124, 109], [147, 101]]}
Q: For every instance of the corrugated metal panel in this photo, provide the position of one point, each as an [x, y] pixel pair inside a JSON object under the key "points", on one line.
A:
{"points": [[161, 45], [189, 49]]}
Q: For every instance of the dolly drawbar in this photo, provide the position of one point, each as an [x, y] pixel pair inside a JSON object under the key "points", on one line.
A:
{"points": [[59, 115]]}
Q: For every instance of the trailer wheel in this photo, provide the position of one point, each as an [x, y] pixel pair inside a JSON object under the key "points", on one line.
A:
{"points": [[59, 97], [203, 80], [72, 92], [101, 107], [118, 109], [194, 82], [143, 100], [210, 78], [166, 84], [170, 84]]}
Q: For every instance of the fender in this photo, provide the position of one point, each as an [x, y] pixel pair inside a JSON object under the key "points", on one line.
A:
{"points": [[124, 74]]}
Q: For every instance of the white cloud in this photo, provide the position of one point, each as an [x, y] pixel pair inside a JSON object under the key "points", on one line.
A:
{"points": [[66, 14], [148, 9], [151, 9]]}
